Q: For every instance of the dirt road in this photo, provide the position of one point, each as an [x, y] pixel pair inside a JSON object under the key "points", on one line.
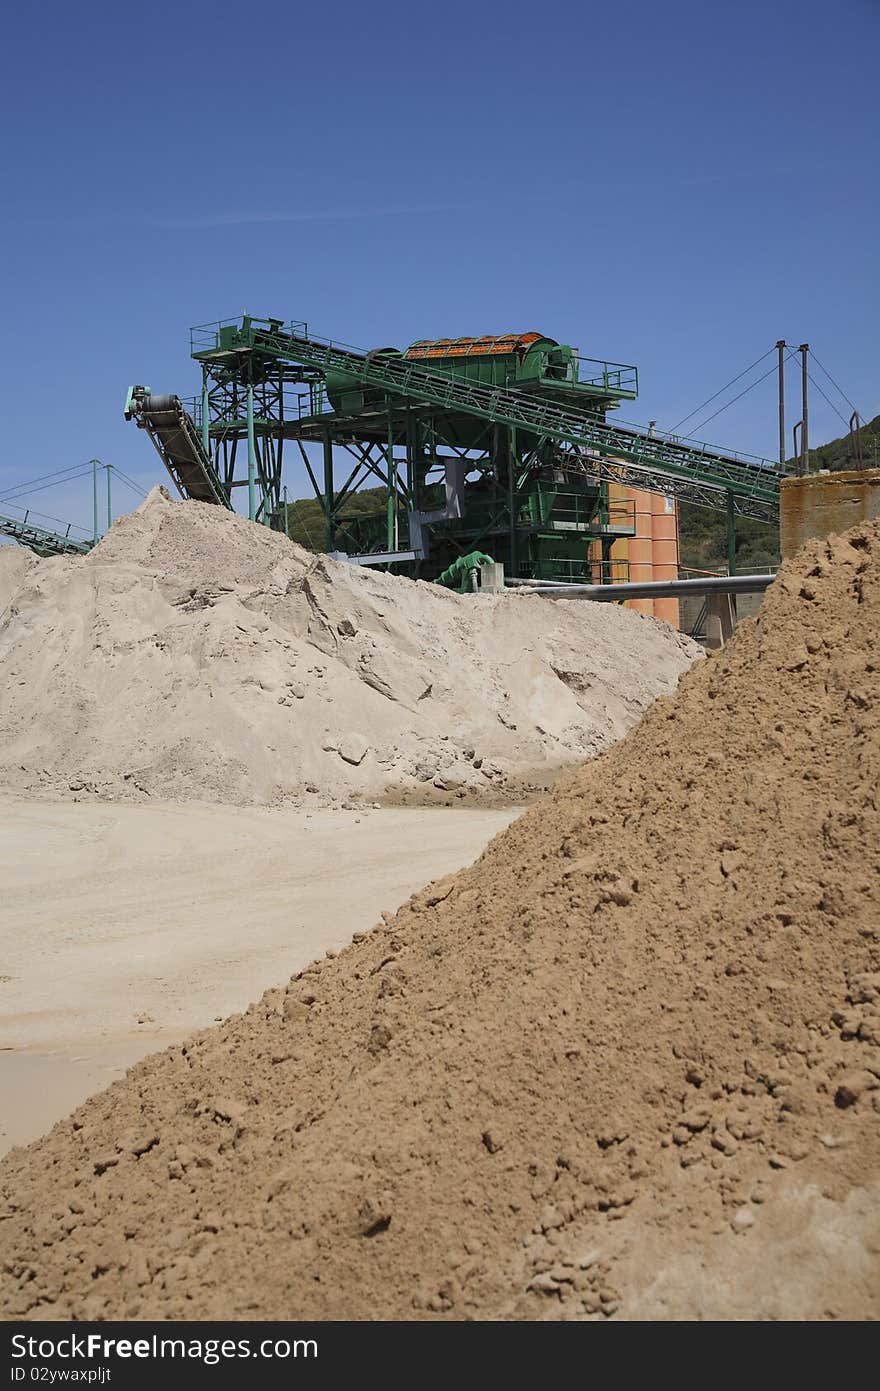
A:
{"points": [[126, 927]]}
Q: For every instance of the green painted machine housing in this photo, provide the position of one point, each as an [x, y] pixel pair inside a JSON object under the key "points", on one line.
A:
{"points": [[509, 360], [350, 397], [527, 361]]}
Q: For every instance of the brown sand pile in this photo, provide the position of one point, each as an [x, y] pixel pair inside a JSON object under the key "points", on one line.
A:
{"points": [[628, 1062], [193, 655]]}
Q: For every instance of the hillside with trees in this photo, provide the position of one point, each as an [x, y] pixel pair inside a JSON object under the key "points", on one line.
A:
{"points": [[837, 455], [703, 535], [306, 518]]}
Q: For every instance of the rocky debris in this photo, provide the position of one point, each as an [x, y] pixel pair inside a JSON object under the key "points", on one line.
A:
{"points": [[353, 748]]}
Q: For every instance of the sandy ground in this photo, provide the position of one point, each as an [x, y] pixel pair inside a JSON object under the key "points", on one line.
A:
{"points": [[123, 928]]}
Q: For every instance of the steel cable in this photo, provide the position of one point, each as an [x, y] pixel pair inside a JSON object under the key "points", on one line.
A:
{"points": [[729, 384], [736, 398]]}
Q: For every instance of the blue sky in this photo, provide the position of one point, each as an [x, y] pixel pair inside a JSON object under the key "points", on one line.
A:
{"points": [[675, 185]]}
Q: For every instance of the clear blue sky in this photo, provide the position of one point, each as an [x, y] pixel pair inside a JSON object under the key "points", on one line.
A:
{"points": [[675, 185]]}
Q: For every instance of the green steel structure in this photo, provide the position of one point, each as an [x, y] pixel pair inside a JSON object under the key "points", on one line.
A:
{"points": [[41, 541], [502, 445]]}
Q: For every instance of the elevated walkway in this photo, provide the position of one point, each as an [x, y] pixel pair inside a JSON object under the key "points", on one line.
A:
{"points": [[41, 541], [751, 484]]}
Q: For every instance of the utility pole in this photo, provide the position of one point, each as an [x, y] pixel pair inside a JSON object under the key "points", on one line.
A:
{"points": [[780, 347], [805, 434]]}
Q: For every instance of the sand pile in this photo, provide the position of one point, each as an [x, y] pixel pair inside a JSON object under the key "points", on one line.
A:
{"points": [[627, 1063], [193, 655], [15, 562]]}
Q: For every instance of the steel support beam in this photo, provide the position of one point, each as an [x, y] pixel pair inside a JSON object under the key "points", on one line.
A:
{"points": [[251, 455]]}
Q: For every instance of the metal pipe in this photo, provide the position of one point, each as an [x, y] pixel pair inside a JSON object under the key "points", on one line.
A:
{"points": [[95, 463], [731, 535], [781, 350], [649, 589], [252, 455], [855, 439], [805, 432], [109, 468], [286, 515]]}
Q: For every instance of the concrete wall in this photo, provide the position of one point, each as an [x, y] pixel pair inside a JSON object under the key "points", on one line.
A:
{"points": [[689, 608], [744, 606], [747, 605], [822, 503]]}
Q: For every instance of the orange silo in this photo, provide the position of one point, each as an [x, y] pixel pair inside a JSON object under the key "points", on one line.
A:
{"points": [[619, 505], [619, 508], [641, 547], [664, 542]]}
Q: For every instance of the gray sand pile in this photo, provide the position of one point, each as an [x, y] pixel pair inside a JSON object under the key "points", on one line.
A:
{"points": [[628, 1064], [193, 655]]}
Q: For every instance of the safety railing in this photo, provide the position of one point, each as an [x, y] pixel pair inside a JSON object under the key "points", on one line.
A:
{"points": [[693, 448], [205, 338], [37, 537], [615, 378], [691, 572], [315, 401], [571, 570], [610, 571], [570, 509]]}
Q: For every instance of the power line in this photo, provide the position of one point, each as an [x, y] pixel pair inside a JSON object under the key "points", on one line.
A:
{"points": [[812, 379], [302, 520], [732, 382], [44, 516], [27, 492], [828, 399], [125, 478], [834, 383], [739, 397], [20, 488]]}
